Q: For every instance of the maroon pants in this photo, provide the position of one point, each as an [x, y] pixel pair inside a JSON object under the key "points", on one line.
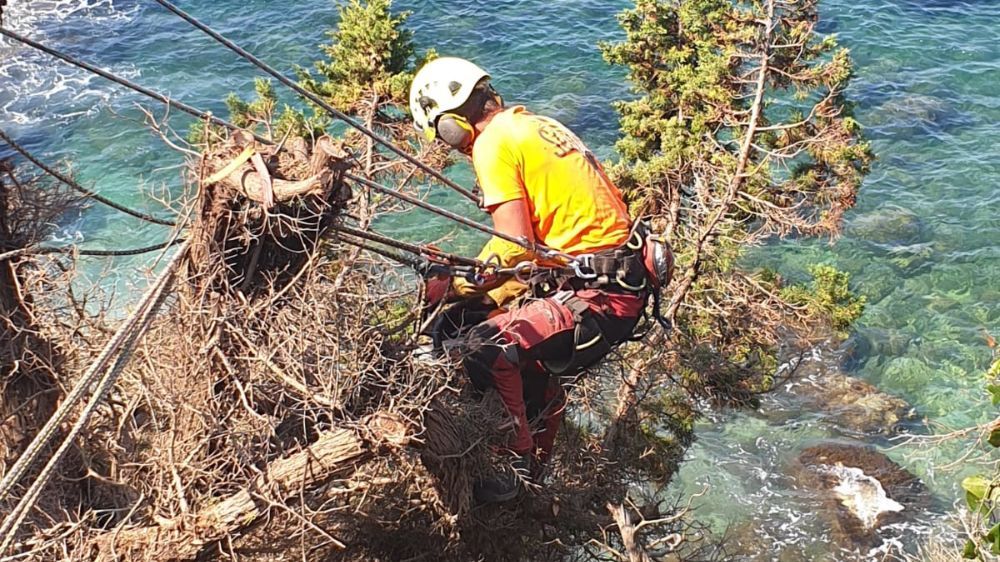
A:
{"points": [[510, 350]]}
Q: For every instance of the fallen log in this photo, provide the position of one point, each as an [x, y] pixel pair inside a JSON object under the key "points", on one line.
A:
{"points": [[335, 452]]}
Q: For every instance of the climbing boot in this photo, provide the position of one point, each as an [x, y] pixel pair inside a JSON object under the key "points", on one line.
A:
{"points": [[506, 486]]}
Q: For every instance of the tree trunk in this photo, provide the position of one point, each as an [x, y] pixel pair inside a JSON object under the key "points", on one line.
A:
{"points": [[184, 538], [627, 530]]}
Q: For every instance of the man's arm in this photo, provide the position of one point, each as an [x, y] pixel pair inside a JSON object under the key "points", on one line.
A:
{"points": [[513, 219]]}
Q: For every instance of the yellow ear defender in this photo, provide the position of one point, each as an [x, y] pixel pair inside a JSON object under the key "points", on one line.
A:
{"points": [[455, 130]]}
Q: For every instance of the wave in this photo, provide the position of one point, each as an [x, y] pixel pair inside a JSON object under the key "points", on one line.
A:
{"points": [[37, 89], [25, 17]]}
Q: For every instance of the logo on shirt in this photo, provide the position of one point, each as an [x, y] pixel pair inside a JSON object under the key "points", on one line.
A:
{"points": [[560, 138]]}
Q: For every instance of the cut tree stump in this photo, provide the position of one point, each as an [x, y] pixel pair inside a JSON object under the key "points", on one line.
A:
{"points": [[335, 452], [262, 210]]}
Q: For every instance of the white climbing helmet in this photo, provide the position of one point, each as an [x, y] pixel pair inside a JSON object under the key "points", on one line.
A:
{"points": [[441, 85]]}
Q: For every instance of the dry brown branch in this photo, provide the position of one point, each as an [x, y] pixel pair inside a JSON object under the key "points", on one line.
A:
{"points": [[632, 550], [185, 537]]}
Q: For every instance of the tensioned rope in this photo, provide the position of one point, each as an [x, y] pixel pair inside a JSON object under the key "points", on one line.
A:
{"points": [[424, 266], [534, 247], [121, 345], [315, 99], [205, 115], [73, 184], [41, 250], [408, 247]]}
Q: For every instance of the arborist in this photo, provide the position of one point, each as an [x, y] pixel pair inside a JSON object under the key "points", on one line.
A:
{"points": [[541, 185]]}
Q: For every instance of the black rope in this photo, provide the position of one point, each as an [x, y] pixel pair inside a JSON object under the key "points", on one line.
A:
{"points": [[129, 84], [132, 252], [315, 99], [399, 258], [407, 247], [423, 266], [443, 212], [42, 250], [73, 184]]}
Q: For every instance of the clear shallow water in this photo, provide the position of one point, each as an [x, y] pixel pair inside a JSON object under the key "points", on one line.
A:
{"points": [[927, 72]]}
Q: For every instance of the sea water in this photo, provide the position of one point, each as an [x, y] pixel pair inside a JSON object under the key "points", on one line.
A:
{"points": [[922, 244]]}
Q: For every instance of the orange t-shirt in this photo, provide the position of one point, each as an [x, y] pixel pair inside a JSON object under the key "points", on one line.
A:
{"points": [[574, 206]]}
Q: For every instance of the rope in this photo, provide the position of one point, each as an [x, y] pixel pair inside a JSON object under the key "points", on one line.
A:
{"points": [[40, 250], [126, 335], [315, 99], [537, 248], [407, 247], [129, 84], [413, 263], [73, 184]]}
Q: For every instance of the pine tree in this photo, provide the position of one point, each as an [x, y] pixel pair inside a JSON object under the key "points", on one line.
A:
{"points": [[371, 61], [371, 54], [740, 132]]}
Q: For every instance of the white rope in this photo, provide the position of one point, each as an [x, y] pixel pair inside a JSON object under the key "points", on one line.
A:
{"points": [[125, 339]]}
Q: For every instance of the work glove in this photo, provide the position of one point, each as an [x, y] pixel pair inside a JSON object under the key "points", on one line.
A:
{"points": [[504, 294], [500, 253], [437, 289]]}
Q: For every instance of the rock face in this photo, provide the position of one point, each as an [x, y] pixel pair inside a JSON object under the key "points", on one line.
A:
{"points": [[863, 492]]}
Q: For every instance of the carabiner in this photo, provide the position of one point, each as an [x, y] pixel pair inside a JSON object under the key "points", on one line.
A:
{"points": [[620, 279], [634, 242], [524, 271], [584, 261]]}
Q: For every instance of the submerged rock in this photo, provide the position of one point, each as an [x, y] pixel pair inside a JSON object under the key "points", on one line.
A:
{"points": [[891, 227], [857, 405], [913, 114], [864, 493]]}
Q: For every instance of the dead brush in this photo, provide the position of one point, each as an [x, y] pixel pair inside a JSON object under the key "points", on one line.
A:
{"points": [[276, 409]]}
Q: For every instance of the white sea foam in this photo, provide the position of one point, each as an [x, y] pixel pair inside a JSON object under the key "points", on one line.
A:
{"points": [[32, 83], [862, 494]]}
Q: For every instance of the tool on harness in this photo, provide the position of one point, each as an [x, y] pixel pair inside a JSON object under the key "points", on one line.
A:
{"points": [[657, 258], [589, 343], [658, 262]]}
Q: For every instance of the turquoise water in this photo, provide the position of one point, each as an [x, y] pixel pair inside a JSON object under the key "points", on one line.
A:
{"points": [[922, 243]]}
